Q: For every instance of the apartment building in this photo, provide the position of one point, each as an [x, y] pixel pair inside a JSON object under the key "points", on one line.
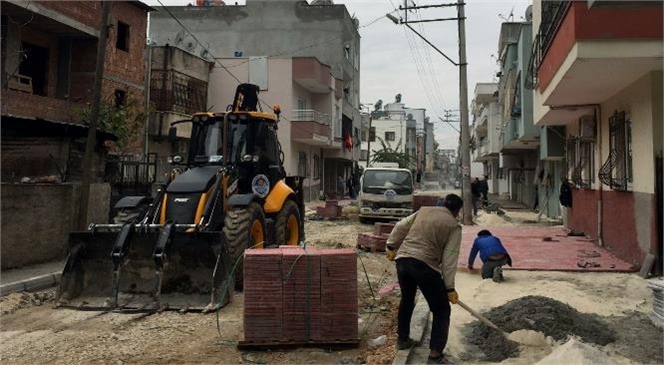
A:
{"points": [[260, 31], [49, 52], [519, 138], [485, 137], [596, 70]]}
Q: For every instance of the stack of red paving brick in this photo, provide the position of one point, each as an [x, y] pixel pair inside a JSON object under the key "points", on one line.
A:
{"points": [[375, 241], [424, 201], [330, 210], [299, 296]]}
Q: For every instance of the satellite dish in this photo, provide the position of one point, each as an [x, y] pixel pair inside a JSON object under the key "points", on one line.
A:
{"points": [[191, 46], [204, 53], [179, 37], [529, 13]]}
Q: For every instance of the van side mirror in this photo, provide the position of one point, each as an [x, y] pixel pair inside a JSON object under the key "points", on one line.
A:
{"points": [[172, 134]]}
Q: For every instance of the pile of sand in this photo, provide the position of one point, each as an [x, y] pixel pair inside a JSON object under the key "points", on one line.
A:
{"points": [[579, 353], [548, 316], [12, 302]]}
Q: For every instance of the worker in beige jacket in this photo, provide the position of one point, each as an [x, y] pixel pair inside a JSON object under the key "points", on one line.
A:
{"points": [[425, 246]]}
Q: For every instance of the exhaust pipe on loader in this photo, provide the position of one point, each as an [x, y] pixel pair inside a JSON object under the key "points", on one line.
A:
{"points": [[145, 267]]}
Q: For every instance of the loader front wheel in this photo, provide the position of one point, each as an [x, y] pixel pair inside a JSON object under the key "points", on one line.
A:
{"points": [[288, 225], [244, 228]]}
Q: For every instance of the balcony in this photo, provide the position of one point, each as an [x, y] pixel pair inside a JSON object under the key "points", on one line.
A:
{"points": [[585, 56], [30, 106], [311, 127], [173, 91], [312, 75]]}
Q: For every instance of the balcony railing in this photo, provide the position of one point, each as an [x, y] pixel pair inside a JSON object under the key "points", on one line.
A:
{"points": [[553, 13], [310, 115], [173, 91]]}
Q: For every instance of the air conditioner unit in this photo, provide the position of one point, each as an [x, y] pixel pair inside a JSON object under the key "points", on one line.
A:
{"points": [[587, 127]]}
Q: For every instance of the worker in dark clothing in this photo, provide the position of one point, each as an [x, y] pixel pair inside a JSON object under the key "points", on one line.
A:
{"points": [[492, 253], [565, 198], [484, 190], [475, 193], [426, 246]]}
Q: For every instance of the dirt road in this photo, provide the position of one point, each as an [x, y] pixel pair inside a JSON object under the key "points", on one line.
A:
{"points": [[39, 334]]}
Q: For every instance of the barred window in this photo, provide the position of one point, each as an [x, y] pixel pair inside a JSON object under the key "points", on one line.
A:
{"points": [[316, 167], [617, 171], [302, 165], [390, 136], [581, 162]]}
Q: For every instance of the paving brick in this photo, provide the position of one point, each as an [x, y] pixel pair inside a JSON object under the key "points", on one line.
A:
{"points": [[530, 252], [383, 228]]}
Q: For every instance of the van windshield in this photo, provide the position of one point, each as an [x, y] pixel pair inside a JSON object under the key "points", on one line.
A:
{"points": [[376, 182]]}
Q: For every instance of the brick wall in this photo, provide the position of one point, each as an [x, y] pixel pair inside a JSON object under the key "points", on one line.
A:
{"points": [[17, 103], [52, 210], [583, 215], [127, 65], [86, 12]]}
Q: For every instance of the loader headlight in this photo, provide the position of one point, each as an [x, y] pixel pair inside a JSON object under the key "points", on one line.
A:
{"points": [[174, 159], [246, 158], [255, 158]]}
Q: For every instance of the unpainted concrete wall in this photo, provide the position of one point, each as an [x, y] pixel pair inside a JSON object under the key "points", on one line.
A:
{"points": [[37, 218]]}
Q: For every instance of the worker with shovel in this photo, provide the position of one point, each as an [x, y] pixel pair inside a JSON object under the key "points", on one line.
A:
{"points": [[492, 253], [426, 245]]}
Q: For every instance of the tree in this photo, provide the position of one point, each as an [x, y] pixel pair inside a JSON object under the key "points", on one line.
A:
{"points": [[124, 121], [389, 154]]}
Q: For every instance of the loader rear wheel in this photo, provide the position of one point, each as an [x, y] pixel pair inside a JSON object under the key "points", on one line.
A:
{"points": [[244, 228], [288, 225]]}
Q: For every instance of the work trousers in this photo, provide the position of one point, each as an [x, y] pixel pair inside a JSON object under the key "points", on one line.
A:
{"points": [[415, 274], [489, 265]]}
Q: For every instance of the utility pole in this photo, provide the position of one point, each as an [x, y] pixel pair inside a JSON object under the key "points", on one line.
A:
{"points": [[464, 137], [94, 117], [463, 105]]}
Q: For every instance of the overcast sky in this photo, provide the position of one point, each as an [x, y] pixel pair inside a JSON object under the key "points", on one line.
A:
{"points": [[395, 60]]}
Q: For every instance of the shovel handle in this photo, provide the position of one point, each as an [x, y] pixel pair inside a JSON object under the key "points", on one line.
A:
{"points": [[479, 316]]}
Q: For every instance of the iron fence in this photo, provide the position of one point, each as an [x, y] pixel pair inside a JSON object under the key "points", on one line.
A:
{"points": [[173, 91]]}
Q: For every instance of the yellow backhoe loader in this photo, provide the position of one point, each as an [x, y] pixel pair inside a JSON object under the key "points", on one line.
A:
{"points": [[178, 250]]}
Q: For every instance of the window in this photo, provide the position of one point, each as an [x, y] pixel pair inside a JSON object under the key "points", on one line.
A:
{"points": [[372, 134], [316, 167], [364, 135], [581, 162], [33, 70], [120, 97], [301, 104], [390, 136], [302, 165], [122, 37], [617, 170]]}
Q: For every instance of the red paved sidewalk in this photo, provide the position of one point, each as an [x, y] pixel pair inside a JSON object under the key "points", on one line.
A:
{"points": [[530, 252]]}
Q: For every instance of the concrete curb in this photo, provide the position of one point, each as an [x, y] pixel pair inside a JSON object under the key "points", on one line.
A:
{"points": [[418, 326], [31, 284]]}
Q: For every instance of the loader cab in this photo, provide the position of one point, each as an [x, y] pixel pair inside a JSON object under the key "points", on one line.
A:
{"points": [[251, 139]]}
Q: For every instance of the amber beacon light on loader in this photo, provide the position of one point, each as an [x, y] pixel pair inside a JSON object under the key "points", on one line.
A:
{"points": [[183, 248]]}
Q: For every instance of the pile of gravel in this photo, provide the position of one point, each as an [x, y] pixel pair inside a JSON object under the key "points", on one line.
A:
{"points": [[12, 302], [549, 316]]}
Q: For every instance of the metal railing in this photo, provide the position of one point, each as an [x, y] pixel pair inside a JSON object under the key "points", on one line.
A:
{"points": [[553, 13], [171, 90], [310, 115]]}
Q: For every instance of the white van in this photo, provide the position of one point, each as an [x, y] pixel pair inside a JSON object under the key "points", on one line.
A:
{"points": [[385, 193]]}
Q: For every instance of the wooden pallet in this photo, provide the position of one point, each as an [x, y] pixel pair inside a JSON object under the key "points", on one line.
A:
{"points": [[270, 345]]}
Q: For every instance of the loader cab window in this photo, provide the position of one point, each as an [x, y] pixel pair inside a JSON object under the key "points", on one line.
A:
{"points": [[265, 144], [237, 140]]}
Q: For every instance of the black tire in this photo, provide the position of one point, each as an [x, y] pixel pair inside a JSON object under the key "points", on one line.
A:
{"points": [[284, 235], [128, 215], [237, 228]]}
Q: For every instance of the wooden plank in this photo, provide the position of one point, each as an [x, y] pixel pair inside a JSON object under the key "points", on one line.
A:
{"points": [[271, 345]]}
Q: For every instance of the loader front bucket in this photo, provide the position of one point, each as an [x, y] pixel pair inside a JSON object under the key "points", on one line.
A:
{"points": [[192, 274]]}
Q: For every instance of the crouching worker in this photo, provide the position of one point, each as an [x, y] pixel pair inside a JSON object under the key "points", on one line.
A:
{"points": [[492, 253], [426, 248]]}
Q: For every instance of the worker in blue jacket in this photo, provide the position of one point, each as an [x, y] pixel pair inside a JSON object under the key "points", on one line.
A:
{"points": [[492, 253]]}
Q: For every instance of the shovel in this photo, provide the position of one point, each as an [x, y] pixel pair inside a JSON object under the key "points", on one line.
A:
{"points": [[531, 338], [482, 318]]}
